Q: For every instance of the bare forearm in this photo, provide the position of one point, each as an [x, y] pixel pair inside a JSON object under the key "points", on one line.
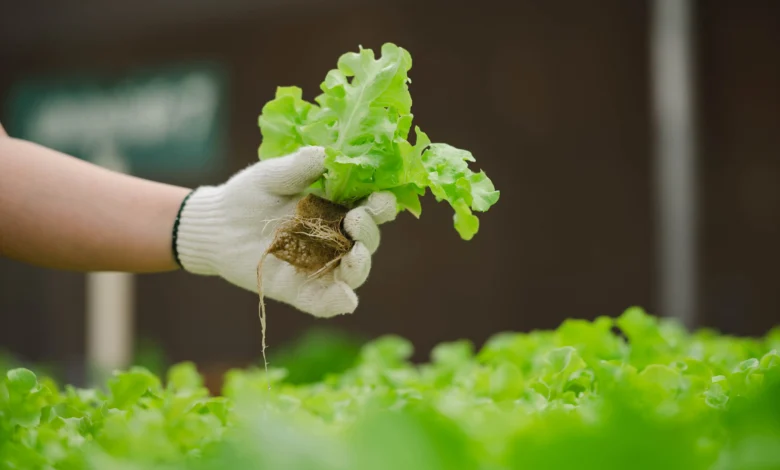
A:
{"points": [[60, 212]]}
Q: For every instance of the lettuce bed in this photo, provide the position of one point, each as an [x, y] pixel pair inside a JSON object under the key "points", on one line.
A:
{"points": [[633, 392]]}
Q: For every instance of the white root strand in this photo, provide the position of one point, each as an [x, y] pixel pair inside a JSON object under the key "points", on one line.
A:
{"points": [[262, 312]]}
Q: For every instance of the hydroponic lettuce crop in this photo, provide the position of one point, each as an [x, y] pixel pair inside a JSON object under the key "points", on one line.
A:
{"points": [[363, 118], [626, 393]]}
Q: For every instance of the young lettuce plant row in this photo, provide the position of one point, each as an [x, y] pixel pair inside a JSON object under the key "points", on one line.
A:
{"points": [[583, 396]]}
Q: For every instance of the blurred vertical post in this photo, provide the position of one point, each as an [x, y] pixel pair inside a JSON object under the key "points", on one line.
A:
{"points": [[109, 305], [672, 67]]}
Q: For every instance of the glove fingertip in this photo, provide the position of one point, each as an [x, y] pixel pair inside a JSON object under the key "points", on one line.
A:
{"points": [[354, 266], [360, 225], [338, 299], [382, 205], [293, 173]]}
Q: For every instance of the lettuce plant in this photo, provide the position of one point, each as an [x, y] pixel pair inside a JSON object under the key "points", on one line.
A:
{"points": [[363, 119]]}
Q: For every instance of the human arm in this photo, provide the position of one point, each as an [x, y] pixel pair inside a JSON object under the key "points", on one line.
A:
{"points": [[59, 212]]}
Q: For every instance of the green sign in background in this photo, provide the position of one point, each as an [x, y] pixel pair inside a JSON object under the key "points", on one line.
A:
{"points": [[163, 122]]}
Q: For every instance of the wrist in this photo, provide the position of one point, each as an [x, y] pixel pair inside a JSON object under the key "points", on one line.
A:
{"points": [[197, 230], [176, 223]]}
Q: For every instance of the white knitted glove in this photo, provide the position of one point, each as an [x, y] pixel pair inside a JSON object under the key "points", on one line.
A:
{"points": [[224, 231]]}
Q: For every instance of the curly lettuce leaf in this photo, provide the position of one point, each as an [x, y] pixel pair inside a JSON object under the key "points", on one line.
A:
{"points": [[363, 119], [281, 120], [451, 180]]}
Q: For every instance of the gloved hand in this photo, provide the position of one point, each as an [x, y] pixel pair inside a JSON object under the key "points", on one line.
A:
{"points": [[225, 230]]}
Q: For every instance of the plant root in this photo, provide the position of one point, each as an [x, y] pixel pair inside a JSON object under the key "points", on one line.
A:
{"points": [[312, 241]]}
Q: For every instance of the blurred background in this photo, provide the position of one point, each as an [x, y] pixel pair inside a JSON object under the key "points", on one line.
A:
{"points": [[636, 146]]}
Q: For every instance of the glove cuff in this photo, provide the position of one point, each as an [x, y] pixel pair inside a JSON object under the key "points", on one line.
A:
{"points": [[197, 230]]}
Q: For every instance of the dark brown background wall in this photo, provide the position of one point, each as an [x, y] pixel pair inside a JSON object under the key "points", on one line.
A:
{"points": [[740, 85], [552, 98]]}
